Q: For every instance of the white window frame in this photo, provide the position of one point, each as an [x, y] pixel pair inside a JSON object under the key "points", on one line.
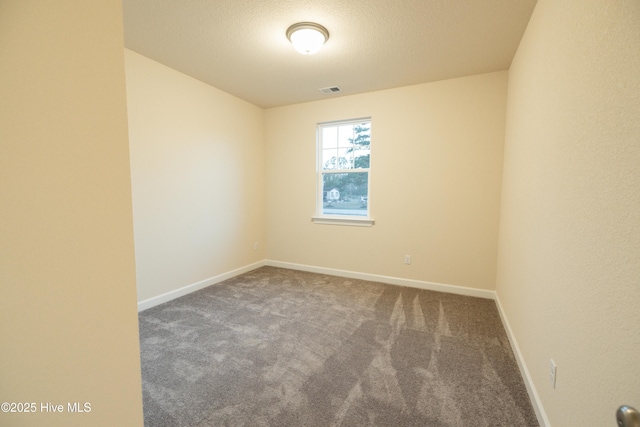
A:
{"points": [[320, 217]]}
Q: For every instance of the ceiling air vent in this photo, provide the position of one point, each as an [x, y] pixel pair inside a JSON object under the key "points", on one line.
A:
{"points": [[330, 90]]}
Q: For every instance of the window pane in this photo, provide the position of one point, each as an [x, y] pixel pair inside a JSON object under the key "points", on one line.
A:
{"points": [[345, 193], [361, 144], [329, 137], [341, 158], [361, 159], [345, 135], [329, 159]]}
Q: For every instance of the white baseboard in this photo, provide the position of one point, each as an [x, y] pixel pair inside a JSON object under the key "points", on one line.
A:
{"points": [[177, 293], [152, 302], [524, 371], [452, 289]]}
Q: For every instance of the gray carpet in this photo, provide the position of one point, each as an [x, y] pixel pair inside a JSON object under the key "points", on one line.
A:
{"points": [[277, 347]]}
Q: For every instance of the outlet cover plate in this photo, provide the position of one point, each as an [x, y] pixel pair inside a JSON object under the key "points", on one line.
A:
{"points": [[553, 368]]}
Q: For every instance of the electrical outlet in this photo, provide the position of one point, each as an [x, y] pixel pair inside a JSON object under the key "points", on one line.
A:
{"points": [[407, 259], [552, 373], [255, 246]]}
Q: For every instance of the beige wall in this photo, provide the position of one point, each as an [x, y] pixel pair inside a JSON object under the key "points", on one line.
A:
{"points": [[197, 166], [68, 320], [435, 185], [569, 259]]}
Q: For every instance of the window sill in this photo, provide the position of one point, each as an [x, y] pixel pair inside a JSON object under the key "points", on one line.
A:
{"points": [[357, 222]]}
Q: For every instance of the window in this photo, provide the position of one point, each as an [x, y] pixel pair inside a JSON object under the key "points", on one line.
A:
{"points": [[344, 165]]}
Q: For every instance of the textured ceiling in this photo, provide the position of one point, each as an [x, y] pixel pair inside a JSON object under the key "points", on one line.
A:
{"points": [[240, 46]]}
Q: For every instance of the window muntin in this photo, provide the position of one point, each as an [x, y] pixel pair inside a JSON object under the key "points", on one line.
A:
{"points": [[344, 157]]}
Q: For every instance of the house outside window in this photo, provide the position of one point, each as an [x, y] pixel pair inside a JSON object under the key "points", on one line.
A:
{"points": [[344, 168]]}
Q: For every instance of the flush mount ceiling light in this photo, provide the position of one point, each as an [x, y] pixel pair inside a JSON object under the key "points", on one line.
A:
{"points": [[307, 37]]}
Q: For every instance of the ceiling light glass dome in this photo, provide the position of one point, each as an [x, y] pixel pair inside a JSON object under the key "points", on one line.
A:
{"points": [[307, 37]]}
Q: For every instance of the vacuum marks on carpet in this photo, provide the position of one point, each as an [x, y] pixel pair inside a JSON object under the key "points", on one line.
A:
{"points": [[277, 347]]}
